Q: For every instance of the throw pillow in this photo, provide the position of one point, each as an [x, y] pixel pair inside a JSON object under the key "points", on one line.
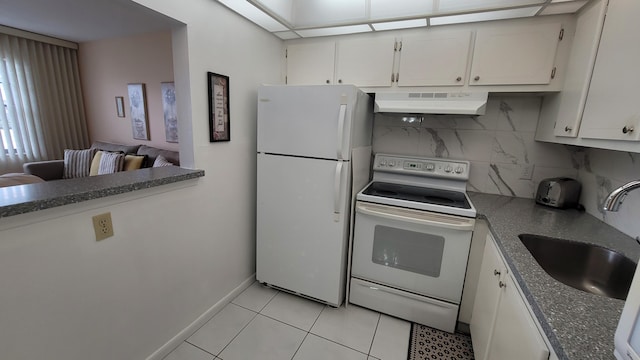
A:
{"points": [[110, 163], [134, 162], [161, 161], [95, 163], [77, 163]]}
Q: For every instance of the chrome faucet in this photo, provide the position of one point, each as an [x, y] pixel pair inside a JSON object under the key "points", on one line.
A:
{"points": [[617, 196]]}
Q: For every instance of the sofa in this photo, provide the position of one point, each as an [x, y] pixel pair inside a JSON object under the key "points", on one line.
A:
{"points": [[54, 169]]}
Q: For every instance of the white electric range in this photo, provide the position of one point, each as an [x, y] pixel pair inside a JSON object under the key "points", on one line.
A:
{"points": [[412, 236]]}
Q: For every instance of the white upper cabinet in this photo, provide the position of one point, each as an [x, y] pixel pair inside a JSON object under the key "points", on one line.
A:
{"points": [[434, 59], [515, 55], [311, 63], [366, 62], [569, 104], [612, 109]]}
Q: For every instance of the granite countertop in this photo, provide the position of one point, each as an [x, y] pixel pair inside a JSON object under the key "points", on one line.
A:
{"points": [[579, 325], [21, 199]]}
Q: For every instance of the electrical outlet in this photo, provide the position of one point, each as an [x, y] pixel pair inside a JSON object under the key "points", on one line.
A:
{"points": [[527, 172], [103, 226]]}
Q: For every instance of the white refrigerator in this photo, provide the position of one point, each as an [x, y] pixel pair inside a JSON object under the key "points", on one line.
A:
{"points": [[314, 149]]}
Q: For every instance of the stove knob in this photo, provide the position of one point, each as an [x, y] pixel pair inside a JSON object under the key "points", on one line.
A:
{"points": [[459, 170], [430, 167], [383, 162], [392, 163], [448, 169]]}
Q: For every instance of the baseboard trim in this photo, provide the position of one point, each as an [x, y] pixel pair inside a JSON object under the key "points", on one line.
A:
{"points": [[183, 335]]}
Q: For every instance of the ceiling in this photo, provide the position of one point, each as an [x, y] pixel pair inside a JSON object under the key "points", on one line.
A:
{"points": [[82, 20], [290, 19]]}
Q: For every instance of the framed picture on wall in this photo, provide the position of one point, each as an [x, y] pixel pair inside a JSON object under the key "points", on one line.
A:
{"points": [[120, 106], [219, 124], [139, 119], [170, 112]]}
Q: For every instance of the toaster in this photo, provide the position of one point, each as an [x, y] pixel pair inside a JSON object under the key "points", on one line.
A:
{"points": [[559, 192]]}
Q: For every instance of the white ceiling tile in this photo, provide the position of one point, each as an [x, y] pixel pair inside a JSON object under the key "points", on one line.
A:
{"points": [[385, 9], [254, 14]]}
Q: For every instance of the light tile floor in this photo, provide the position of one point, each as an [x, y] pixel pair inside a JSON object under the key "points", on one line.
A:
{"points": [[263, 323]]}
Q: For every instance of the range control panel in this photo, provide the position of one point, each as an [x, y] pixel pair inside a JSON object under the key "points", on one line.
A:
{"points": [[431, 167]]}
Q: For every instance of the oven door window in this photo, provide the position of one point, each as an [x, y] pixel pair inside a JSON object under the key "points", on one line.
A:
{"points": [[412, 251]]}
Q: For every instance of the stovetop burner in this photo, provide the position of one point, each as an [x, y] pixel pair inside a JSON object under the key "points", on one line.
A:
{"points": [[419, 194]]}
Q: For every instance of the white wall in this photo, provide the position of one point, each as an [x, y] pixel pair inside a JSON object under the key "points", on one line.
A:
{"points": [[107, 66], [65, 296]]}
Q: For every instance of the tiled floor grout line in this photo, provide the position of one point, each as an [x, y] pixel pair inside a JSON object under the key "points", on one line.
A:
{"points": [[299, 346], [308, 332], [284, 323], [337, 343], [194, 345], [374, 334], [246, 308], [270, 300], [244, 327]]}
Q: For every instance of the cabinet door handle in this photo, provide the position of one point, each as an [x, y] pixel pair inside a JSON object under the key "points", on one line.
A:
{"points": [[328, 82], [339, 81], [459, 78], [627, 129], [476, 78], [496, 272], [501, 284], [567, 129]]}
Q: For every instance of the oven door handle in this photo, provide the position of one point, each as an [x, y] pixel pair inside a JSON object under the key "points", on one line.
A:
{"points": [[416, 217]]}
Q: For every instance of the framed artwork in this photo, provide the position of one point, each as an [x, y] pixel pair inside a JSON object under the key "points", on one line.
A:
{"points": [[170, 112], [120, 106], [139, 120], [219, 129]]}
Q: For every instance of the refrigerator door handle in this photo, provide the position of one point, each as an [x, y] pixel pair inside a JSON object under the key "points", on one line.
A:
{"points": [[341, 122], [337, 191]]}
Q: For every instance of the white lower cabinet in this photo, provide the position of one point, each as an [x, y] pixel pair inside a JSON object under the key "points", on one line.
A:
{"points": [[501, 326]]}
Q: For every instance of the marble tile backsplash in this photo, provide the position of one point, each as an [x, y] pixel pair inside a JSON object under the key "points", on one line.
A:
{"points": [[500, 144], [600, 172]]}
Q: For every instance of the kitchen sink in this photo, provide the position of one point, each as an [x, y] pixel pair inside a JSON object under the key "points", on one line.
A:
{"points": [[587, 267]]}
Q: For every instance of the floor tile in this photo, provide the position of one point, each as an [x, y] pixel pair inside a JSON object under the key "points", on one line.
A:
{"points": [[317, 348], [353, 326], [392, 339], [264, 339], [222, 328], [188, 352], [255, 297], [293, 310]]}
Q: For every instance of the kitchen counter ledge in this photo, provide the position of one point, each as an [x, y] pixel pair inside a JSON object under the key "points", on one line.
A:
{"points": [[579, 325], [22, 199]]}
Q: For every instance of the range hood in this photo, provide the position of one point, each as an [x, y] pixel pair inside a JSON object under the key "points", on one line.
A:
{"points": [[463, 103]]}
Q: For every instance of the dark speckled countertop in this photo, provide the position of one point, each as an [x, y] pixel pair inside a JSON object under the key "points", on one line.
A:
{"points": [[21, 199], [579, 325]]}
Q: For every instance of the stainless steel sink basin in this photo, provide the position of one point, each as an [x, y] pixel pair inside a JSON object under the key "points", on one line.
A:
{"points": [[587, 267]]}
